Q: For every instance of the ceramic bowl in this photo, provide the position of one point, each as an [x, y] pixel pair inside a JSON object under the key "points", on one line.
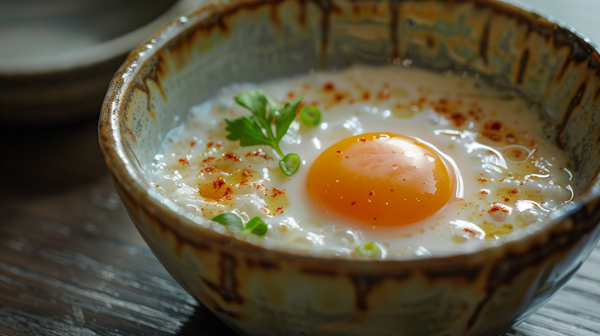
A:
{"points": [[258, 291], [58, 56]]}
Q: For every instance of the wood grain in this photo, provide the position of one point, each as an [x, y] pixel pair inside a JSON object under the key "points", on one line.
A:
{"points": [[72, 263]]}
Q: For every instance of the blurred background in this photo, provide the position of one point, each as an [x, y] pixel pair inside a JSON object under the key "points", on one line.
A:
{"points": [[71, 261]]}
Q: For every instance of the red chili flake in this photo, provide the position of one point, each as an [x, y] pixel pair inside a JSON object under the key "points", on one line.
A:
{"points": [[506, 199], [497, 208], [494, 126], [386, 85], [443, 101], [484, 192], [511, 138], [371, 193], [259, 154], [219, 144], [210, 144], [339, 152], [339, 97], [218, 183], [291, 95], [230, 155], [184, 162], [366, 95], [482, 180], [440, 109], [193, 143], [279, 210], [346, 157], [392, 190], [362, 140], [210, 169], [328, 86], [276, 192], [352, 203], [208, 159], [514, 191], [471, 232], [492, 136], [374, 218], [227, 194], [458, 119]]}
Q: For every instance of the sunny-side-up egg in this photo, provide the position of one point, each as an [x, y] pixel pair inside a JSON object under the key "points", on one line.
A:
{"points": [[406, 162]]}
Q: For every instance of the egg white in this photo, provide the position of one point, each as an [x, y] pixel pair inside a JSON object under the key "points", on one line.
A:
{"points": [[465, 224]]}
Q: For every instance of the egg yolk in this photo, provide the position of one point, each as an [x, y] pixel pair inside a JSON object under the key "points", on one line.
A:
{"points": [[380, 179]]}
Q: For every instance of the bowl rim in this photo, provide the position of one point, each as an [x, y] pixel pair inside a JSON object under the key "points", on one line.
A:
{"points": [[95, 54], [180, 220]]}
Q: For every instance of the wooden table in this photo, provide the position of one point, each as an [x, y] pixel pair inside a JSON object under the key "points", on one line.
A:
{"points": [[72, 263]]}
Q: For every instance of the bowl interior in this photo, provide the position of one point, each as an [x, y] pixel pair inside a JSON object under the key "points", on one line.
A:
{"points": [[251, 41]]}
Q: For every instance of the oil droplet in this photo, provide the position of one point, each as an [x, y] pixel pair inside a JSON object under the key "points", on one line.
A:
{"points": [[394, 166], [402, 112]]}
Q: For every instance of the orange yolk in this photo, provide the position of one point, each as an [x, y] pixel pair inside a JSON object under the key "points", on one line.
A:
{"points": [[381, 179]]}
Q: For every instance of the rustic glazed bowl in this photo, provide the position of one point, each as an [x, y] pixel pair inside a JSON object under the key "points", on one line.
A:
{"points": [[258, 291]]}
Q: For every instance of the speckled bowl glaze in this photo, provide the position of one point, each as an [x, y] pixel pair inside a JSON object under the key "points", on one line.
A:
{"points": [[265, 292]]}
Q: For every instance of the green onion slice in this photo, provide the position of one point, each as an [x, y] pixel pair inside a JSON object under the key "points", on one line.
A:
{"points": [[290, 164], [369, 250], [310, 115], [256, 226]]}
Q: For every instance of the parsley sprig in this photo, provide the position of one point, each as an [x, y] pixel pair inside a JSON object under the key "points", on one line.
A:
{"points": [[258, 130]]}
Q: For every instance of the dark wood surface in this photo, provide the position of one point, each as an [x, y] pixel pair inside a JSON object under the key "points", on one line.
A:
{"points": [[72, 262]]}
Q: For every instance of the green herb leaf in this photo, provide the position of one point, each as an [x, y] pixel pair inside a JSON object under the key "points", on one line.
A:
{"points": [[231, 221], [310, 115], [258, 130], [263, 108], [369, 250], [247, 131], [284, 118], [290, 164], [256, 226]]}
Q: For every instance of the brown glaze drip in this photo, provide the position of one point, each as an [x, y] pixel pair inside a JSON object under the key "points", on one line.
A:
{"points": [[485, 41], [328, 8], [363, 284], [575, 101], [523, 66], [394, 18], [302, 14], [228, 284], [580, 51]]}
